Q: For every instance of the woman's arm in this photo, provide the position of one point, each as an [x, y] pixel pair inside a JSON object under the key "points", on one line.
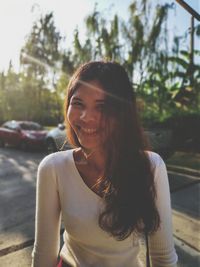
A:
{"points": [[161, 243], [47, 225]]}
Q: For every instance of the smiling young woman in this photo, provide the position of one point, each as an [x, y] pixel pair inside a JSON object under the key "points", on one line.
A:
{"points": [[109, 189], [84, 115]]}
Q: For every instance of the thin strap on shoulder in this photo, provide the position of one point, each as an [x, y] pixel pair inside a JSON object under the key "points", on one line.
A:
{"points": [[148, 264]]}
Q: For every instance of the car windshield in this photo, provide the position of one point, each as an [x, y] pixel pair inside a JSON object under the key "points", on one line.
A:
{"points": [[31, 126]]}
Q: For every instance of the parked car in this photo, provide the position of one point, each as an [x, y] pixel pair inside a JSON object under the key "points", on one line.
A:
{"points": [[56, 139], [160, 140], [23, 134]]}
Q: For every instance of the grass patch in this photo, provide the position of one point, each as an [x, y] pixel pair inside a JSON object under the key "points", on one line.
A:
{"points": [[185, 159]]}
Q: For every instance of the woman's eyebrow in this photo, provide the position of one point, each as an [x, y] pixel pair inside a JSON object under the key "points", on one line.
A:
{"points": [[76, 98]]}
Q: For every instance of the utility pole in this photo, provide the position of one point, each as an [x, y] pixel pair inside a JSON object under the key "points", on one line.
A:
{"points": [[191, 71]]}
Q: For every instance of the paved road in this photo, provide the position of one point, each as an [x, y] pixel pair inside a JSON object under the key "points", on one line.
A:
{"points": [[17, 197]]}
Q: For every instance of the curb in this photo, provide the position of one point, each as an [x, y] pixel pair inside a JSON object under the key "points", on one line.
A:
{"points": [[184, 227], [184, 170]]}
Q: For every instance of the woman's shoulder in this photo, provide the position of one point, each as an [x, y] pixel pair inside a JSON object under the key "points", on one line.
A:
{"points": [[56, 159], [159, 168], [54, 165], [155, 159]]}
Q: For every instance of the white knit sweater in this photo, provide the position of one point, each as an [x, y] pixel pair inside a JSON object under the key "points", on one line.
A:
{"points": [[61, 190]]}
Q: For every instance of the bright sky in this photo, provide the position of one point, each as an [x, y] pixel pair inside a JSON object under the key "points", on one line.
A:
{"points": [[17, 16]]}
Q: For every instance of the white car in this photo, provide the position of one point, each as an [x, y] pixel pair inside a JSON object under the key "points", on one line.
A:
{"points": [[56, 139]]}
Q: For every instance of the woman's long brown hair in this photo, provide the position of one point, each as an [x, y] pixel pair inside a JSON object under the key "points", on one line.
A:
{"points": [[128, 184]]}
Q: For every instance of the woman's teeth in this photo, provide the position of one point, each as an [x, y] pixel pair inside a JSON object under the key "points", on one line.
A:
{"points": [[89, 130]]}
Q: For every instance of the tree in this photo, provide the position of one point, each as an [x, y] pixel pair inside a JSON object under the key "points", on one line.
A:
{"points": [[40, 58], [144, 41], [2, 97], [12, 95], [41, 52], [102, 40], [160, 76], [185, 94]]}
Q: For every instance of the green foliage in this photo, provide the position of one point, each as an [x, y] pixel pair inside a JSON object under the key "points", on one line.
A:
{"points": [[186, 93], [165, 81], [30, 94], [41, 50]]}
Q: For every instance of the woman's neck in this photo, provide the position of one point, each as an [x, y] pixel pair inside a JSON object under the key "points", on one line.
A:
{"points": [[93, 159], [91, 167]]}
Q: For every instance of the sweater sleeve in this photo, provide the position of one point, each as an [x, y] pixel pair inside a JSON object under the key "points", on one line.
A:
{"points": [[161, 243], [47, 224]]}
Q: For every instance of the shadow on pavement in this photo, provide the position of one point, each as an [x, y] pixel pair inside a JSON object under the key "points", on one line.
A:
{"points": [[17, 195]]}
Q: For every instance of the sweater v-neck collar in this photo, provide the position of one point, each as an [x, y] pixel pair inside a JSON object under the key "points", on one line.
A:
{"points": [[81, 178]]}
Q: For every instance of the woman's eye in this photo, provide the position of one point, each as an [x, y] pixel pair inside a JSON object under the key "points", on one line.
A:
{"points": [[78, 104]]}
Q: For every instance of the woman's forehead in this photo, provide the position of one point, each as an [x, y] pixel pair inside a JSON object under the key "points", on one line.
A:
{"points": [[92, 89]]}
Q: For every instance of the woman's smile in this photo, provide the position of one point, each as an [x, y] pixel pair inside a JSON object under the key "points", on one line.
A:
{"points": [[90, 131]]}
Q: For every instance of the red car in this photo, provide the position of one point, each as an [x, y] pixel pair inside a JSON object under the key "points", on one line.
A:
{"points": [[23, 134]]}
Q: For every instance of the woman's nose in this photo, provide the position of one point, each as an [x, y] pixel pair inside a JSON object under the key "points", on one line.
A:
{"points": [[88, 115]]}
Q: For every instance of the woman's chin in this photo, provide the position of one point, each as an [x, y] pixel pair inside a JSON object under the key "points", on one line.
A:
{"points": [[90, 148], [89, 143]]}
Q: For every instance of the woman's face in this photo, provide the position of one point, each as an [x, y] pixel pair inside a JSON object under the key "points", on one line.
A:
{"points": [[85, 115]]}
